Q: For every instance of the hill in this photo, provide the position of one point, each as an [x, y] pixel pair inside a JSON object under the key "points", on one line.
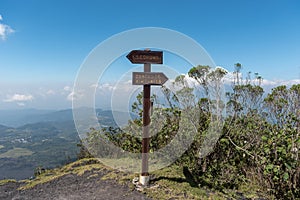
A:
{"points": [[15, 118], [47, 139], [43, 144], [89, 179], [18, 118]]}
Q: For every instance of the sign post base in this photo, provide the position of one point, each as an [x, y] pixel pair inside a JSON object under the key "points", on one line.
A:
{"points": [[144, 180]]}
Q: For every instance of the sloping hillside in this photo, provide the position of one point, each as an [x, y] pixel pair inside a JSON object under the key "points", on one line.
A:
{"points": [[85, 179], [89, 179]]}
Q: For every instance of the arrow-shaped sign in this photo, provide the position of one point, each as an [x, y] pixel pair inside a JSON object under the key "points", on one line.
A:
{"points": [[145, 56], [148, 78]]}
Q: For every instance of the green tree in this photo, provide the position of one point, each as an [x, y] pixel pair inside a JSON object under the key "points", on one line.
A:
{"points": [[281, 146], [259, 140], [237, 71]]}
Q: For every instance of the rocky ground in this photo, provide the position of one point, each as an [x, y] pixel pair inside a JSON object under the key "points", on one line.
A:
{"points": [[88, 179], [72, 187]]}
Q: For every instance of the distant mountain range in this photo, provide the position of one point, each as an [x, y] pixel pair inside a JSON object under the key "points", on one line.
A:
{"points": [[42, 138], [17, 118], [41, 144]]}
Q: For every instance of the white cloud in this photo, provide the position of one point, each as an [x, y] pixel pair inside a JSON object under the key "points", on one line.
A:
{"points": [[50, 92], [266, 84], [18, 98], [4, 29], [280, 82], [96, 85], [75, 96], [106, 87], [71, 96], [228, 80], [21, 104], [67, 88]]}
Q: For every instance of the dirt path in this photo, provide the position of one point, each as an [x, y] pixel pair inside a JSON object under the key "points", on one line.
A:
{"points": [[72, 187]]}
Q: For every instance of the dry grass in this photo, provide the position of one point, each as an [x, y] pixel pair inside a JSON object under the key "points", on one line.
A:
{"points": [[168, 183], [5, 181], [79, 168]]}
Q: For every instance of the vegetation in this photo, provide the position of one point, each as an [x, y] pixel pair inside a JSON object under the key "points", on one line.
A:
{"points": [[16, 152], [253, 152], [48, 143], [168, 183], [5, 181], [79, 168], [44, 145], [258, 144]]}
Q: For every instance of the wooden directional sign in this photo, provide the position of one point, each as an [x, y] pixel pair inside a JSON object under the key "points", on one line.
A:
{"points": [[144, 56], [148, 78]]}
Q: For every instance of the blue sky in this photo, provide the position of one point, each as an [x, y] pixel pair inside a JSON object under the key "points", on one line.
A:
{"points": [[44, 42]]}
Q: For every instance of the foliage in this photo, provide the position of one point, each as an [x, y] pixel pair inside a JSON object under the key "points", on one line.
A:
{"points": [[259, 141], [44, 144], [280, 148]]}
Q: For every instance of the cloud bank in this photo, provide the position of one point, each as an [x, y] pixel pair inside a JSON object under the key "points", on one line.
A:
{"points": [[19, 98], [4, 29]]}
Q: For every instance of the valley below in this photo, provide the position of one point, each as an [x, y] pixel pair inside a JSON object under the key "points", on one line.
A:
{"points": [[39, 140]]}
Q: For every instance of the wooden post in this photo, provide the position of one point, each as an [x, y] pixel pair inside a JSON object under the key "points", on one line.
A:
{"points": [[144, 179], [146, 78]]}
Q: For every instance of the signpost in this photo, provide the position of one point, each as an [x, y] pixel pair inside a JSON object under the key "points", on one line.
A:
{"points": [[146, 78], [145, 56]]}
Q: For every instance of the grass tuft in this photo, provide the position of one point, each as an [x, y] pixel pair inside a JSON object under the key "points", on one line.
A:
{"points": [[5, 181], [172, 182], [79, 168]]}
